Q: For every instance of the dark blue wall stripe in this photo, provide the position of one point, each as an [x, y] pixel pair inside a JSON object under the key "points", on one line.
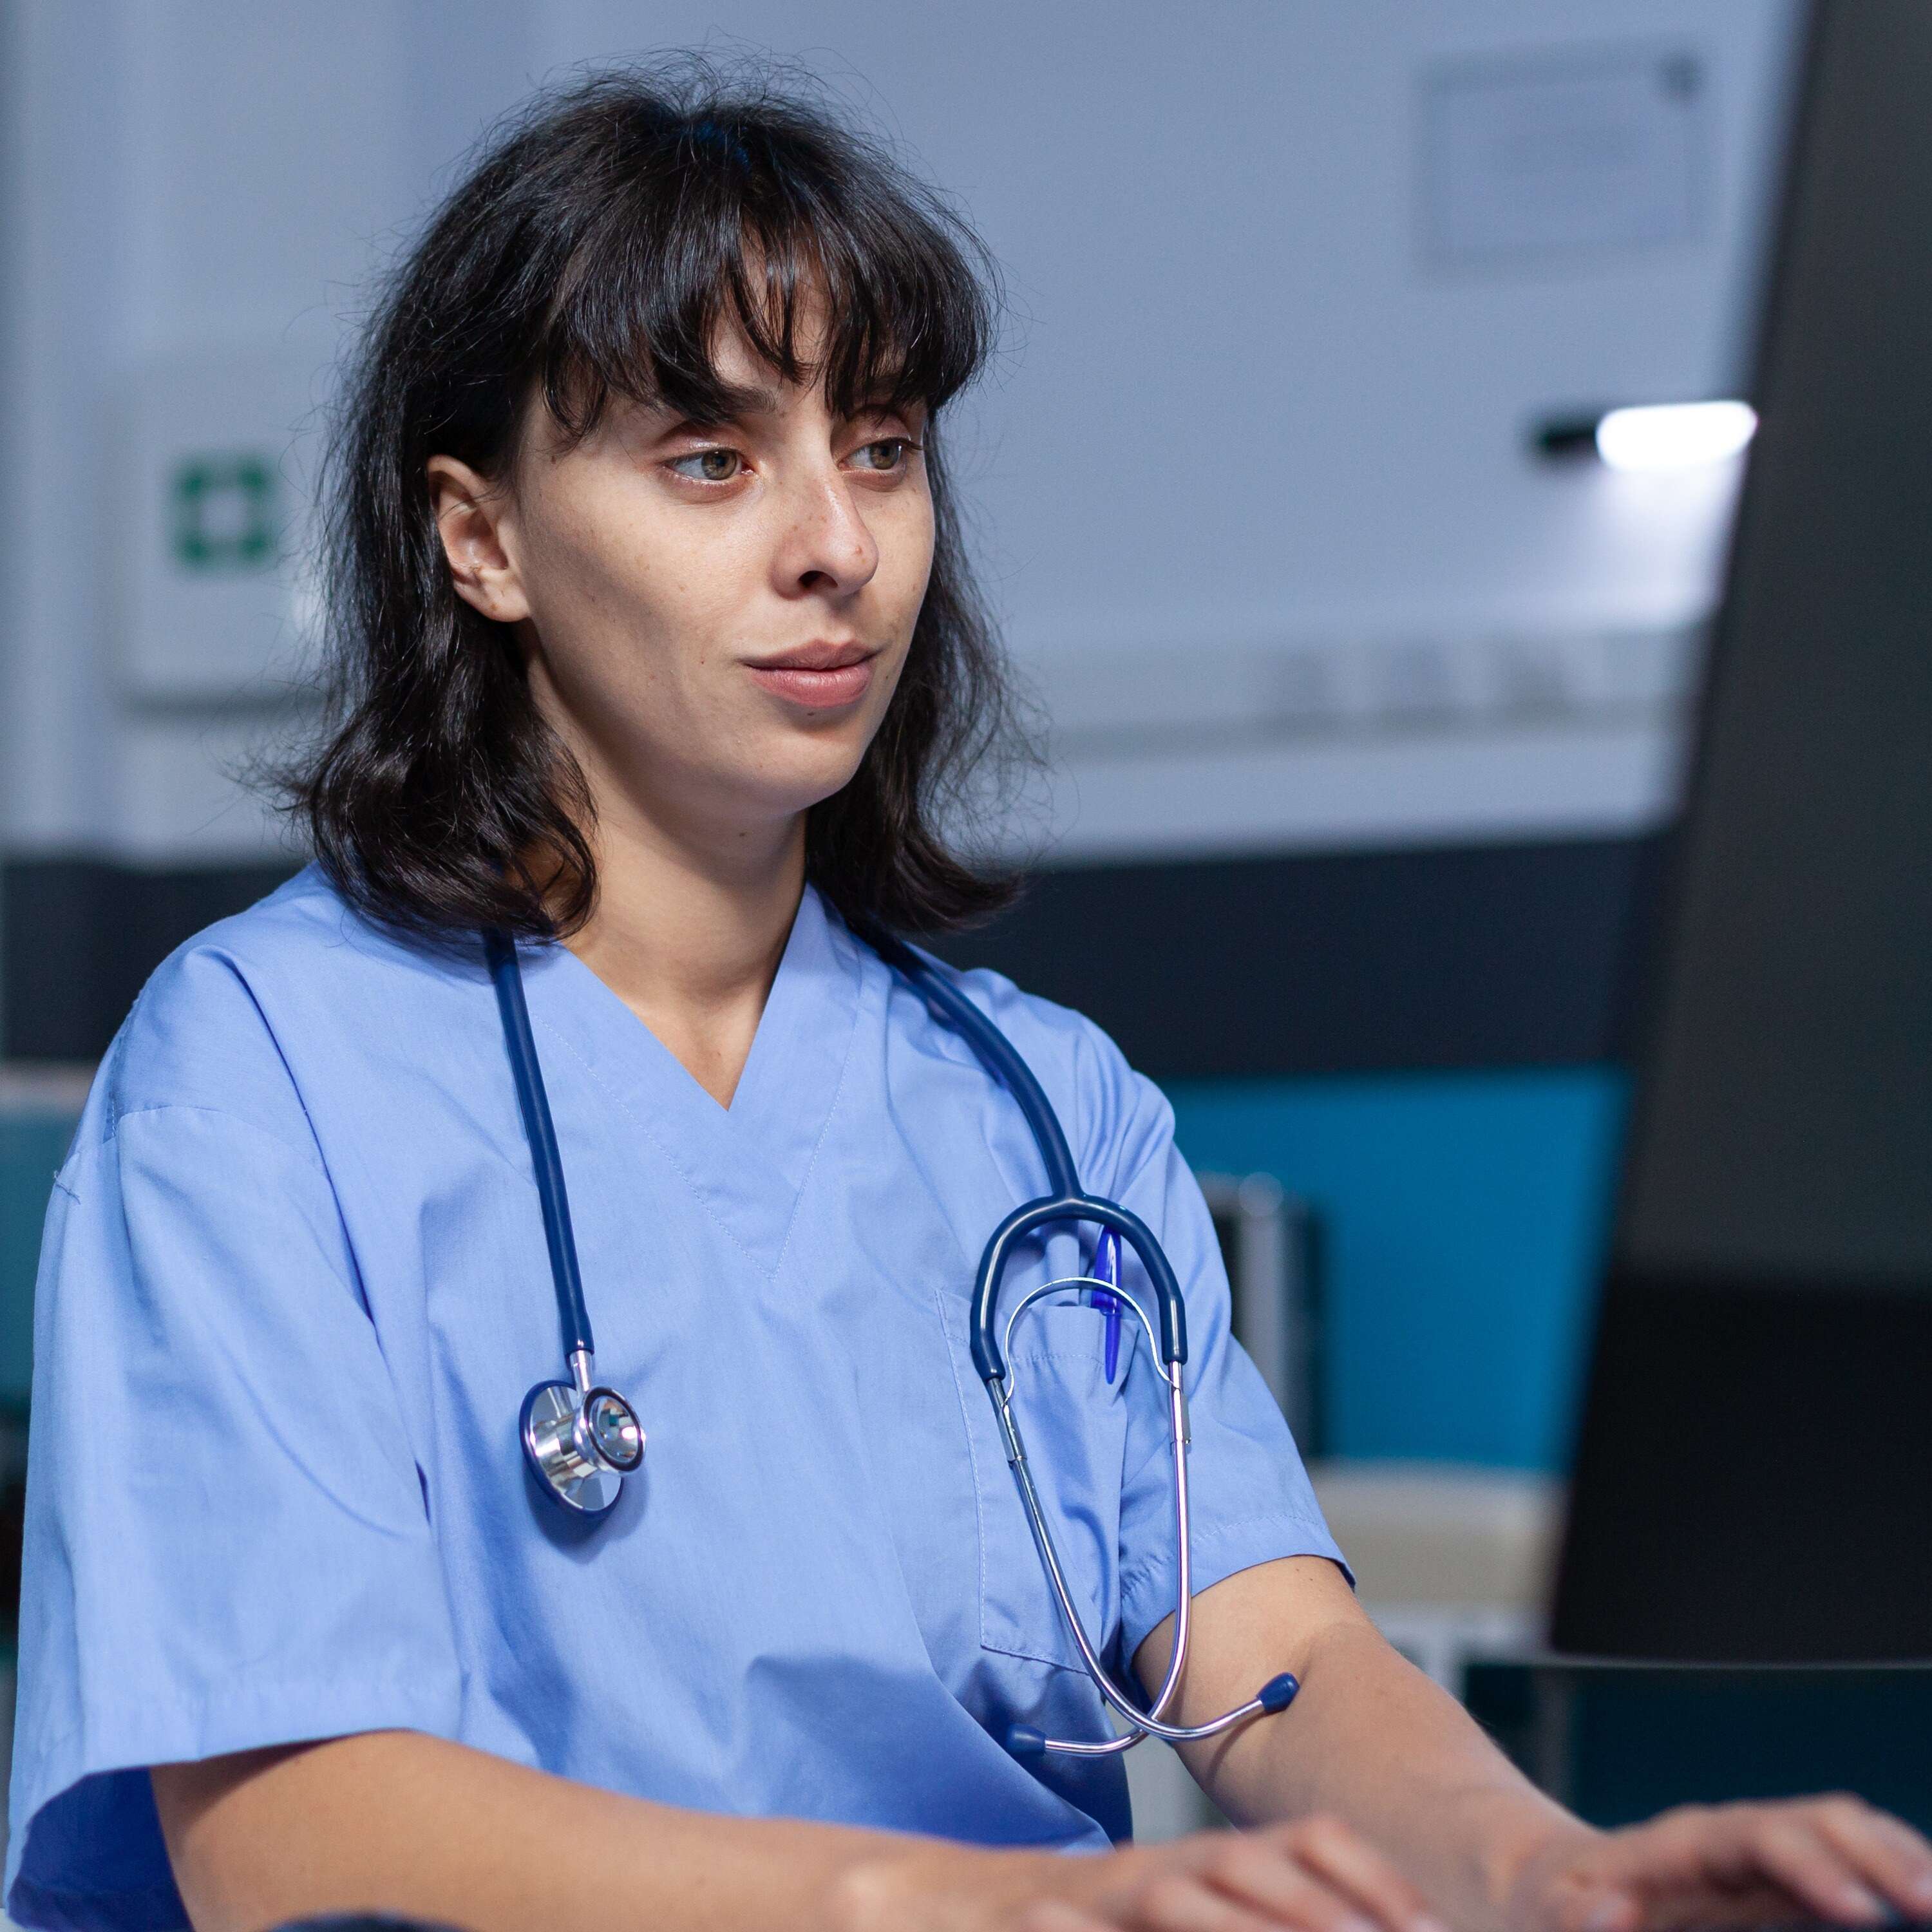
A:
{"points": [[79, 938], [1462, 956], [1453, 957]]}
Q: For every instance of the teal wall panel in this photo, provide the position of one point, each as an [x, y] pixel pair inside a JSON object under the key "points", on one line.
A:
{"points": [[1463, 1219], [33, 1144], [1463, 1216]]}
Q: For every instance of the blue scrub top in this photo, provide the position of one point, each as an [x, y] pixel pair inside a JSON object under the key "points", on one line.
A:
{"points": [[294, 1287]]}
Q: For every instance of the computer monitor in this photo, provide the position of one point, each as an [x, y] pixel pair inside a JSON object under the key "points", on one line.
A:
{"points": [[1753, 1479]]}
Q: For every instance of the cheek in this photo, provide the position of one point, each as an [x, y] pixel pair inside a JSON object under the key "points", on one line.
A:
{"points": [[905, 565], [626, 607], [905, 568]]}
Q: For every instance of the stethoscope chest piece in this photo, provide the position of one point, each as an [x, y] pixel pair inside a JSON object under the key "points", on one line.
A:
{"points": [[580, 1444]]}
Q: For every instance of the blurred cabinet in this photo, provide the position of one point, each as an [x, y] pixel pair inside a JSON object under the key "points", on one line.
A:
{"points": [[217, 605], [1270, 1245]]}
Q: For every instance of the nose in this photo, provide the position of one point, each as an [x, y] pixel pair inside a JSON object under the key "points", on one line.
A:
{"points": [[829, 546]]}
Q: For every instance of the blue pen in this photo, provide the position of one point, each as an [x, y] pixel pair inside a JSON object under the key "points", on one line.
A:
{"points": [[1107, 1268]]}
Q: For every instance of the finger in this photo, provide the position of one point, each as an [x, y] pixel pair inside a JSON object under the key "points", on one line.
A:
{"points": [[1185, 1902], [1750, 1910], [1587, 1907], [1697, 1865], [1787, 1846], [1356, 1870], [1885, 1852], [1697, 1849], [1051, 1915], [1678, 1850], [1263, 1875]]}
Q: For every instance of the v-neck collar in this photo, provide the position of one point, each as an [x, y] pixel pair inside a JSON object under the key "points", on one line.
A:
{"points": [[749, 1163]]}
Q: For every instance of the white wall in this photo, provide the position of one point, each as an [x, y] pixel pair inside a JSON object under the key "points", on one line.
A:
{"points": [[1245, 436], [201, 179]]}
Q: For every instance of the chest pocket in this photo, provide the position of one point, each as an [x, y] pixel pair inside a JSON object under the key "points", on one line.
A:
{"points": [[1075, 1429]]}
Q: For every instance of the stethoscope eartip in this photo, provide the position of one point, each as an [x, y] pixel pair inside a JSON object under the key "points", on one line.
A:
{"points": [[1026, 1741], [1278, 1693]]}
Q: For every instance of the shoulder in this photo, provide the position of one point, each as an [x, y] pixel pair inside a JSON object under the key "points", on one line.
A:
{"points": [[1116, 1119], [212, 1028]]}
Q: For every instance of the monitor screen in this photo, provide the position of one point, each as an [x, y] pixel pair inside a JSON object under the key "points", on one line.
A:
{"points": [[1785, 1119], [1756, 1446]]}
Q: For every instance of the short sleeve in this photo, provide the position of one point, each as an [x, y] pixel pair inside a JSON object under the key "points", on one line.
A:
{"points": [[226, 1542], [1251, 1498]]}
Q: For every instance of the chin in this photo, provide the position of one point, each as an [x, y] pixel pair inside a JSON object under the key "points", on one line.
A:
{"points": [[808, 775]]}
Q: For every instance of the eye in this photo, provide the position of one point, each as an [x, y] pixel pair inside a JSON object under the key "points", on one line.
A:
{"points": [[887, 455], [714, 465]]}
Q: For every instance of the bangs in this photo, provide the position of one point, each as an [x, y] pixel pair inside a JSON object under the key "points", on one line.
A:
{"points": [[799, 236]]}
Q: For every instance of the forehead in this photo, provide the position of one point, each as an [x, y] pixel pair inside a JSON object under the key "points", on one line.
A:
{"points": [[754, 384], [748, 384]]}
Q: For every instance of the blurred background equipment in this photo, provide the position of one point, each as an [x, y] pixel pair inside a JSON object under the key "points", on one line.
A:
{"points": [[1270, 1244], [1756, 1449]]}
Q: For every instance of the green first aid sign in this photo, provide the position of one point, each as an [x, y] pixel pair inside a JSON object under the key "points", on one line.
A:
{"points": [[222, 513]]}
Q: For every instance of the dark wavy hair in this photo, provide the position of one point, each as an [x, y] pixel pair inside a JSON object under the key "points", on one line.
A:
{"points": [[595, 250]]}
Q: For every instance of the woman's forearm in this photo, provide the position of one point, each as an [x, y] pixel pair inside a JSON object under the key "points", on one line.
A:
{"points": [[416, 1825], [399, 1823], [1372, 1740]]}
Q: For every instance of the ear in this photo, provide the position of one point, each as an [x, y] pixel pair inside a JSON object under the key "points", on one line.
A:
{"points": [[474, 522]]}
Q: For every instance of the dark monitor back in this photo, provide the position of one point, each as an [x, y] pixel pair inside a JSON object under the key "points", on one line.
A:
{"points": [[1754, 1477]]}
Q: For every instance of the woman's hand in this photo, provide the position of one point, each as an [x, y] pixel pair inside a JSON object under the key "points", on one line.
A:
{"points": [[1835, 1858], [1316, 1875]]}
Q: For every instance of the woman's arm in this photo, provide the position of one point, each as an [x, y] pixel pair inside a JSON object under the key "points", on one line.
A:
{"points": [[1371, 1741], [399, 1821]]}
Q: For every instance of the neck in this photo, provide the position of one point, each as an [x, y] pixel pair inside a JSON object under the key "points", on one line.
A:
{"points": [[689, 932]]}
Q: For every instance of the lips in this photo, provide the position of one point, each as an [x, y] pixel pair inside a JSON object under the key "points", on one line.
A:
{"points": [[819, 675]]}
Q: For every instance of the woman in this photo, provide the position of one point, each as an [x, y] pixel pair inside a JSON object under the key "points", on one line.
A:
{"points": [[659, 655]]}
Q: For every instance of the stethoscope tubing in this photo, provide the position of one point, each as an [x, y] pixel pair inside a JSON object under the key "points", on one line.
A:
{"points": [[988, 1358], [1049, 1553], [1069, 1203], [1143, 1722], [533, 1103], [556, 1464], [994, 1051]]}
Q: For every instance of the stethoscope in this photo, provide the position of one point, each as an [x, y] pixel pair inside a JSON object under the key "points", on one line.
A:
{"points": [[581, 1439]]}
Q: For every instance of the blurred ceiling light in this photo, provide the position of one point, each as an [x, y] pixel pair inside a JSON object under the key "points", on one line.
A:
{"points": [[1675, 435], [1659, 437]]}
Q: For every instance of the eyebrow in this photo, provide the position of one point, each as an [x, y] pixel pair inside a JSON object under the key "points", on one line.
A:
{"points": [[748, 400]]}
